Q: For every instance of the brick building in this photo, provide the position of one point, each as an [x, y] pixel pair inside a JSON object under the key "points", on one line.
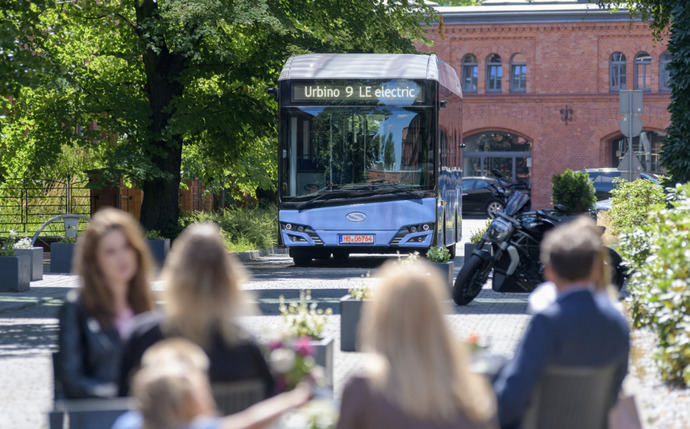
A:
{"points": [[541, 82]]}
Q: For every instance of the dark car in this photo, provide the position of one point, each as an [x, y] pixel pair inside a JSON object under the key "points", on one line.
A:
{"points": [[603, 180], [482, 195]]}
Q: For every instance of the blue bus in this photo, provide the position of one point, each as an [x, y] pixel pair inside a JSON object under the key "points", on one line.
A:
{"points": [[369, 155]]}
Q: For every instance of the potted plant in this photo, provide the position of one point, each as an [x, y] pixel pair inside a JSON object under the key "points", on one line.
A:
{"points": [[35, 254], [15, 270], [302, 319], [61, 254], [350, 313], [159, 246], [476, 238], [440, 258]]}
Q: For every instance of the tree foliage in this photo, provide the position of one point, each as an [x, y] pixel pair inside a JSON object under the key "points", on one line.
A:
{"points": [[167, 89], [573, 190], [673, 16]]}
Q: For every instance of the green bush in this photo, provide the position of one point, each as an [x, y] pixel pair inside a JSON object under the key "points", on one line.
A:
{"points": [[242, 228], [438, 254], [659, 288], [631, 203], [477, 235], [573, 190]]}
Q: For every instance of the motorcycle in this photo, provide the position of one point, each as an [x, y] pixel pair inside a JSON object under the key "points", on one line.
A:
{"points": [[510, 247]]}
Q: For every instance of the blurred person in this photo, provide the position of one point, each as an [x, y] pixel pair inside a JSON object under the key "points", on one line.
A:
{"points": [[172, 391], [202, 301], [113, 263], [580, 328], [419, 376]]}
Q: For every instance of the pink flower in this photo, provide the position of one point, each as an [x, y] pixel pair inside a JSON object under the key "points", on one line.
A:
{"points": [[304, 347], [275, 344]]}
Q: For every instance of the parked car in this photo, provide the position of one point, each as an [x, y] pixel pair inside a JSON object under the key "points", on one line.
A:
{"points": [[603, 178], [482, 195]]}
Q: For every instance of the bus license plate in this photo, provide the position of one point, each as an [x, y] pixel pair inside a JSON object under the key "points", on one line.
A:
{"points": [[356, 238]]}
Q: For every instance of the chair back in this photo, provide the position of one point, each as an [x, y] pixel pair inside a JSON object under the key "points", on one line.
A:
{"points": [[572, 398], [235, 396], [87, 413]]}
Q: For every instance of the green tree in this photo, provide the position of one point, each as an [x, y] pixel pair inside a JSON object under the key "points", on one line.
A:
{"points": [[162, 89], [673, 15], [389, 153]]}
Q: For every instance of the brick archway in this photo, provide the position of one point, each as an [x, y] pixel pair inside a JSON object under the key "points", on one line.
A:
{"points": [[608, 153]]}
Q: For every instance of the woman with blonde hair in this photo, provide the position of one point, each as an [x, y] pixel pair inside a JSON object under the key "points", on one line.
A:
{"points": [[202, 301], [114, 265], [420, 375]]}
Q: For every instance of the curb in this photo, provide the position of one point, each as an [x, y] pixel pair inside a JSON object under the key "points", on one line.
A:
{"points": [[253, 255]]}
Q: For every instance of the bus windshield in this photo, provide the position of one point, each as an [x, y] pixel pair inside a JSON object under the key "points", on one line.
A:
{"points": [[343, 152]]}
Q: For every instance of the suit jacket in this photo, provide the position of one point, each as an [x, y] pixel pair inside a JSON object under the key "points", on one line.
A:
{"points": [[579, 329], [88, 361]]}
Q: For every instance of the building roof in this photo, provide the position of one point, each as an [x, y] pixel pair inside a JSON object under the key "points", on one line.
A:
{"points": [[371, 66], [525, 11]]}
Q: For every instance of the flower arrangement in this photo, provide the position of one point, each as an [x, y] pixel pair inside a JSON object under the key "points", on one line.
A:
{"points": [[438, 254], [7, 245], [303, 319], [292, 361], [476, 344], [24, 243], [316, 414]]}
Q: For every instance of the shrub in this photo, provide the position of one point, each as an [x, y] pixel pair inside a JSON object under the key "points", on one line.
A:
{"points": [[659, 288], [574, 190], [477, 235], [631, 203], [438, 254], [242, 228]]}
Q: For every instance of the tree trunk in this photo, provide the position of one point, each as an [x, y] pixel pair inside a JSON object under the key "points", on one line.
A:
{"points": [[160, 206]]}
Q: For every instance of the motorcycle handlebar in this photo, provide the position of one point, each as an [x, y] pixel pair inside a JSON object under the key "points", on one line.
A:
{"points": [[508, 218]]}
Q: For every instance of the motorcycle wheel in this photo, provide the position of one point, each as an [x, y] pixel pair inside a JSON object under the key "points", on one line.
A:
{"points": [[470, 280], [493, 207]]}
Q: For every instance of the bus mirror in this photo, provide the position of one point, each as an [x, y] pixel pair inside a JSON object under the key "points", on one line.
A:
{"points": [[273, 91]]}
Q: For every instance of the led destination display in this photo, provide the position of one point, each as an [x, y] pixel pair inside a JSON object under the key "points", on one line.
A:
{"points": [[396, 92]]}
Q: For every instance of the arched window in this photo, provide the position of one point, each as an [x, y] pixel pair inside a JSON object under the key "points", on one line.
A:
{"points": [[469, 73], [494, 73], [617, 71], [664, 77], [643, 62], [518, 73]]}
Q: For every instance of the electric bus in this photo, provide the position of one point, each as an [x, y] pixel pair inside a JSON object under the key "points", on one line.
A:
{"points": [[369, 155]]}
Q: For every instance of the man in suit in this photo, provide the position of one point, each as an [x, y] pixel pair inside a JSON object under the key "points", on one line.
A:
{"points": [[579, 329]]}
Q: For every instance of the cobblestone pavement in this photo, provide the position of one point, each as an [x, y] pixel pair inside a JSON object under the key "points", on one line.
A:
{"points": [[28, 327]]}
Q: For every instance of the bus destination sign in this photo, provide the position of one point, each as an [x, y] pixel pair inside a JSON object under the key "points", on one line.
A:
{"points": [[398, 92]]}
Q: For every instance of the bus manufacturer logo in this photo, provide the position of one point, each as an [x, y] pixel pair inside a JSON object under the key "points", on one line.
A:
{"points": [[355, 216]]}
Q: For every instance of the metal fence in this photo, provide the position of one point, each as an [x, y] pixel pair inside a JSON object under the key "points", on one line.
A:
{"points": [[26, 204]]}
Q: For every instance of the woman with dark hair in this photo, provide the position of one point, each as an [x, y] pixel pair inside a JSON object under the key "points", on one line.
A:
{"points": [[113, 262]]}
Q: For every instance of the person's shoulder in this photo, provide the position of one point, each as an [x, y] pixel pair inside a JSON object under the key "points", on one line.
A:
{"points": [[72, 305], [358, 384], [608, 307]]}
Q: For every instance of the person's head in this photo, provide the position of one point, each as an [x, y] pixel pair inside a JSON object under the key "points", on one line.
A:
{"points": [[110, 254], [202, 285], [572, 253], [425, 370], [172, 389]]}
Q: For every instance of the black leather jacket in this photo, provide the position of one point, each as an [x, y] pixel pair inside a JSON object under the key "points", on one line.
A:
{"points": [[88, 362]]}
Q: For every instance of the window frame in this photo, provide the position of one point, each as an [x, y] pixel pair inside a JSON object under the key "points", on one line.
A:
{"points": [[474, 67], [646, 66], [498, 65], [617, 68], [664, 76], [513, 79]]}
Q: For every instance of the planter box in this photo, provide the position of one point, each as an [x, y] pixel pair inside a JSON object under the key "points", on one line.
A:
{"points": [[35, 255], [15, 273], [446, 269], [469, 248], [323, 356], [159, 250], [61, 255], [350, 313]]}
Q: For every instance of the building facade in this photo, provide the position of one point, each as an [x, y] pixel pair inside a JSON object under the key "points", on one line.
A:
{"points": [[541, 88]]}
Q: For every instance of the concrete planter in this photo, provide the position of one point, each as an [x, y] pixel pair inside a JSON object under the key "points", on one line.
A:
{"points": [[350, 313], [469, 248], [15, 273], [35, 255], [446, 270], [61, 255], [159, 250], [323, 356]]}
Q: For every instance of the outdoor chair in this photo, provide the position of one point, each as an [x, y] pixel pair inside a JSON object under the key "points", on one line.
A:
{"points": [[235, 396], [572, 398]]}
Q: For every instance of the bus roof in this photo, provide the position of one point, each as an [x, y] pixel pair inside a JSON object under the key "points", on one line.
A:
{"points": [[371, 66]]}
